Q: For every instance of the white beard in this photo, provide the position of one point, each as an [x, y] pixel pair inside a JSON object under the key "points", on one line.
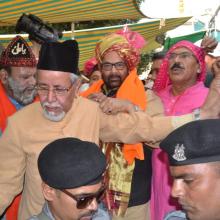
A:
{"points": [[51, 115], [19, 92]]}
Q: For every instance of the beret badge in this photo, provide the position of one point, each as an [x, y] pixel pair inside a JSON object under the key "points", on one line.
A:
{"points": [[179, 153]]}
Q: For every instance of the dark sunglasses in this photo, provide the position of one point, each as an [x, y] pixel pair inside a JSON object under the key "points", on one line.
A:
{"points": [[84, 201]]}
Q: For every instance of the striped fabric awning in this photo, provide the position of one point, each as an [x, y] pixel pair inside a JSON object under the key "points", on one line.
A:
{"points": [[149, 30], [88, 38], [57, 11]]}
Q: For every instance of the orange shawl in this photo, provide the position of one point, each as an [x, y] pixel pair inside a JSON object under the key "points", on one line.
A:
{"points": [[131, 89], [7, 108]]}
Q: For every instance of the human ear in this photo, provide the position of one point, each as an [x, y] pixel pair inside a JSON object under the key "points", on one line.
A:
{"points": [[77, 86], [48, 192], [3, 76], [198, 71]]}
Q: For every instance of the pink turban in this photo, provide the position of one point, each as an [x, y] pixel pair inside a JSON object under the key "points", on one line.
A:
{"points": [[89, 66]]}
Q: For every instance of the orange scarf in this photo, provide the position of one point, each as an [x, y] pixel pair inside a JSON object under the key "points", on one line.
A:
{"points": [[131, 89], [6, 108]]}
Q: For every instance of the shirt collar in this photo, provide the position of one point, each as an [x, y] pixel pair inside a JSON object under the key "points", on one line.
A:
{"points": [[17, 105], [47, 211]]}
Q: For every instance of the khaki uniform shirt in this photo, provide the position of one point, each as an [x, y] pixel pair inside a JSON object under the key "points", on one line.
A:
{"points": [[28, 132]]}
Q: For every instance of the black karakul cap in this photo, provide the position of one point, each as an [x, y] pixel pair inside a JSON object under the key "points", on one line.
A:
{"points": [[68, 163], [59, 56], [193, 143]]}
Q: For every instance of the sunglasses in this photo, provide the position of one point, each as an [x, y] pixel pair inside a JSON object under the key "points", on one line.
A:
{"points": [[85, 201]]}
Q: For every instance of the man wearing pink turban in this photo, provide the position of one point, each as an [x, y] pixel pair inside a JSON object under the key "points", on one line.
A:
{"points": [[180, 85]]}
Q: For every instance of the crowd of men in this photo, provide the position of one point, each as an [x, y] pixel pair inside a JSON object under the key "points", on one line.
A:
{"points": [[67, 155]]}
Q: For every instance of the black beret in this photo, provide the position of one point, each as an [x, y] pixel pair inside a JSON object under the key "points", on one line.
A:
{"points": [[59, 56], [193, 143], [68, 163]]}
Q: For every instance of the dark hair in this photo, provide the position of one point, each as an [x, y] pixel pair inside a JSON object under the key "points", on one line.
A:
{"points": [[95, 68], [159, 55]]}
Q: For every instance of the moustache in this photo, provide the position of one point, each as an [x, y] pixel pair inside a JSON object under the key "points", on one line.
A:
{"points": [[114, 77], [30, 88], [51, 105], [176, 65]]}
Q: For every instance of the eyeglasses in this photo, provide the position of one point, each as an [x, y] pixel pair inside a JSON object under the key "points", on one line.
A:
{"points": [[109, 66], [183, 55], [84, 201], [58, 91]]}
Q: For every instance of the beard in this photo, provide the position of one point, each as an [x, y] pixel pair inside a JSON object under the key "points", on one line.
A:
{"points": [[52, 116], [113, 82], [19, 92]]}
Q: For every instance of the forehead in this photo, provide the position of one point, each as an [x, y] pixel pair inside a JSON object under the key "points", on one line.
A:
{"points": [[112, 57], [53, 77], [96, 73], [157, 63], [181, 49], [22, 70], [87, 189], [202, 169]]}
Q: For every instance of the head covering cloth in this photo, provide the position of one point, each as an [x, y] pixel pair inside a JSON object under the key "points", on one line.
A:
{"points": [[89, 66], [126, 43], [59, 56], [18, 54], [162, 80], [193, 143], [68, 163]]}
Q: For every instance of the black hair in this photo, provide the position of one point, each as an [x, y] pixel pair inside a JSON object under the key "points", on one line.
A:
{"points": [[95, 68], [158, 55]]}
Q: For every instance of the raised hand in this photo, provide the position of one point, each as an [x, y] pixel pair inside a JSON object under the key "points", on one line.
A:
{"points": [[209, 44], [211, 107]]}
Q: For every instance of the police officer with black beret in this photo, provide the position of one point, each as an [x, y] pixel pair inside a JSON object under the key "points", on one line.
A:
{"points": [[194, 155]]}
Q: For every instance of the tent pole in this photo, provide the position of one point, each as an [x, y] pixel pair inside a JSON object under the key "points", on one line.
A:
{"points": [[72, 30]]}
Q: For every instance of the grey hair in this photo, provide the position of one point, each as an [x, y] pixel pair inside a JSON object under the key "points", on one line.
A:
{"points": [[73, 77]]}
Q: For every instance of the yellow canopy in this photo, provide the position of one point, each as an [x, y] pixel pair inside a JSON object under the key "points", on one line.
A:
{"points": [[56, 11], [88, 38], [149, 30]]}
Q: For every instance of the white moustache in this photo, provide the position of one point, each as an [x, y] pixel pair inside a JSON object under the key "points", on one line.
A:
{"points": [[51, 105]]}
